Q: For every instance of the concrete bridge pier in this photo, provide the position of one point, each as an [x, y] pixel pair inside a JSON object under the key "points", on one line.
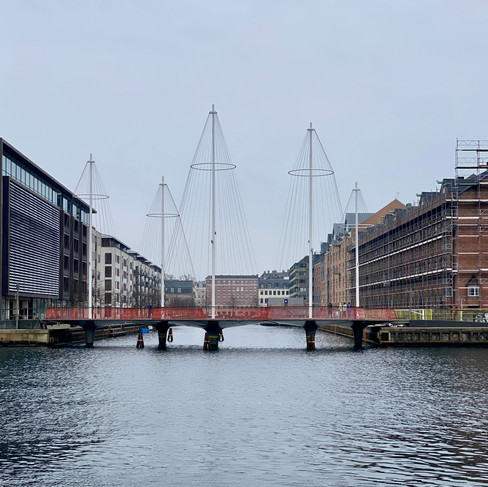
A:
{"points": [[358, 330], [310, 329], [162, 327], [89, 327], [212, 333]]}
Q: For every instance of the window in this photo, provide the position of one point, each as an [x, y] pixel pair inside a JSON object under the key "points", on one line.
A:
{"points": [[108, 258], [473, 291]]}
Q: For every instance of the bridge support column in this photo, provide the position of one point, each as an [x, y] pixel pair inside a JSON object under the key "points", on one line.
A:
{"points": [[310, 329], [90, 328], [212, 336], [358, 329], [162, 328]]}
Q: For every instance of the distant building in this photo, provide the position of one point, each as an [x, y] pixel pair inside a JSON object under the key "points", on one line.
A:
{"points": [[43, 241], [233, 290], [333, 266], [273, 289], [200, 294], [298, 281], [178, 293]]}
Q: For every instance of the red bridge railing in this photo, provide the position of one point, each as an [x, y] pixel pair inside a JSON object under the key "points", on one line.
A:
{"points": [[290, 313]]}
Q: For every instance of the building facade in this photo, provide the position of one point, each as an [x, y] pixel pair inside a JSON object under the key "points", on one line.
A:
{"points": [[179, 293], [233, 290], [434, 255], [273, 289], [123, 278], [43, 242]]}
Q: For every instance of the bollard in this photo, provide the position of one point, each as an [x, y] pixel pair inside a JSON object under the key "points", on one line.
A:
{"points": [[140, 340]]}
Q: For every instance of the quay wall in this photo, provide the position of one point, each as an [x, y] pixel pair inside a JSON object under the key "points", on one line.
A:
{"points": [[59, 335], [419, 333]]}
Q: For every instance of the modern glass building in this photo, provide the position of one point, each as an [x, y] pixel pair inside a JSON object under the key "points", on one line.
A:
{"points": [[43, 240]]}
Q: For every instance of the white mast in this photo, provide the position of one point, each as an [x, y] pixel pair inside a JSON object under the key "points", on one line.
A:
{"points": [[90, 238], [162, 242], [356, 190], [310, 233], [213, 113]]}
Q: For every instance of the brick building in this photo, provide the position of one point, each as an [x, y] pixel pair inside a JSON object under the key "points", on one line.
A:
{"points": [[434, 255], [233, 290]]}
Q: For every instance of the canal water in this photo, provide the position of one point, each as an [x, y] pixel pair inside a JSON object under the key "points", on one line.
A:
{"points": [[259, 412]]}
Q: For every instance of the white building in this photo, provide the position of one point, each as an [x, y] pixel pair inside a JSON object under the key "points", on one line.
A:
{"points": [[121, 277], [273, 289]]}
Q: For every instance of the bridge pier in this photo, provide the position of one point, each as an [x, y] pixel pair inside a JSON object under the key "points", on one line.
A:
{"points": [[162, 327], [358, 329], [211, 341], [310, 329], [89, 327]]}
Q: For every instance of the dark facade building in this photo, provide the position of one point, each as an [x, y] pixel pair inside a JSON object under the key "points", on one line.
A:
{"points": [[298, 285], [178, 293], [43, 241]]}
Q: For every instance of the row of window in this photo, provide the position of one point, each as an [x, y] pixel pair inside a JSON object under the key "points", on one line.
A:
{"points": [[18, 171], [239, 281], [275, 293]]}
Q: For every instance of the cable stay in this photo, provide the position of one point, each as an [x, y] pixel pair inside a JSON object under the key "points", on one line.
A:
{"points": [[313, 204], [312, 208], [212, 210], [164, 240], [90, 189]]}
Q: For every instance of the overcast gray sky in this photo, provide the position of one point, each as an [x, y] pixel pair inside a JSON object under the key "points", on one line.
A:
{"points": [[388, 85]]}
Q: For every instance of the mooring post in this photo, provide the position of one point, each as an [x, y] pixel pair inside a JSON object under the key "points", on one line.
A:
{"points": [[162, 327], [140, 339], [90, 328], [212, 336], [310, 329]]}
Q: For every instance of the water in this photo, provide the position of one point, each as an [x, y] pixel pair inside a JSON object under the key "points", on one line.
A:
{"points": [[261, 411]]}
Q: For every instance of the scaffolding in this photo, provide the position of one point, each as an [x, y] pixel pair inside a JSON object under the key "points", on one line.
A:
{"points": [[470, 214]]}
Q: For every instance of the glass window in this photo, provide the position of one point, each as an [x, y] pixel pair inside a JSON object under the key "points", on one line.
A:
{"points": [[473, 291]]}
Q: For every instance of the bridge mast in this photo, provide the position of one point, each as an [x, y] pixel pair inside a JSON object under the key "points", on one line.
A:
{"points": [[310, 233], [90, 238], [212, 241], [162, 241], [356, 190]]}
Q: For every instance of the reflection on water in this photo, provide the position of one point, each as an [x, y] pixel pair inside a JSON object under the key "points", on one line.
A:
{"points": [[261, 411]]}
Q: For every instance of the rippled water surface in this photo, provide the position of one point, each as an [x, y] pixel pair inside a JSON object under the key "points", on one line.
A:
{"points": [[261, 411]]}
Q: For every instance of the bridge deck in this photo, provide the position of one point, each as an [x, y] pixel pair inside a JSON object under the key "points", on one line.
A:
{"points": [[271, 314]]}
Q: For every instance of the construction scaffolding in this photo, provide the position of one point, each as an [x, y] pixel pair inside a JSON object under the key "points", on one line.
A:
{"points": [[470, 215]]}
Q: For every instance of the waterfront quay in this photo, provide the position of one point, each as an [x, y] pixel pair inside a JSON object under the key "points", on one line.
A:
{"points": [[418, 333], [34, 333]]}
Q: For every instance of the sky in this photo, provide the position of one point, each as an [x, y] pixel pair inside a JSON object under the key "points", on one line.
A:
{"points": [[388, 85]]}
